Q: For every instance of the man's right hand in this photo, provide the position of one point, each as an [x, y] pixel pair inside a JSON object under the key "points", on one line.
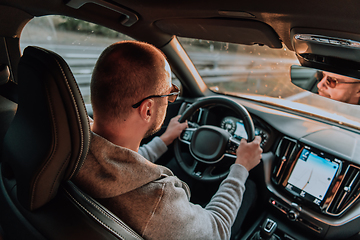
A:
{"points": [[173, 130], [249, 154]]}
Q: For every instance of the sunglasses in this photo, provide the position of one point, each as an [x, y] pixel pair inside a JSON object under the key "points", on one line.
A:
{"points": [[332, 81], [171, 96]]}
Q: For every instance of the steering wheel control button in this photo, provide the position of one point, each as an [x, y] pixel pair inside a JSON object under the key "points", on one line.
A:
{"points": [[232, 145], [187, 135], [232, 149]]}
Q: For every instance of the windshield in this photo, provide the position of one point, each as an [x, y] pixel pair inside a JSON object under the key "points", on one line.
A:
{"points": [[79, 42], [262, 74]]}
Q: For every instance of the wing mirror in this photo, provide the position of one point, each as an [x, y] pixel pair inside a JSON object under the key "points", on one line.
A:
{"points": [[327, 84]]}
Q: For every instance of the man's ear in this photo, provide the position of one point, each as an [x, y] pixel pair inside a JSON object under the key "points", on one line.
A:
{"points": [[146, 109]]}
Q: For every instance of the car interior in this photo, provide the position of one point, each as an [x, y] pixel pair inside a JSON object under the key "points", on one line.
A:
{"points": [[308, 181]]}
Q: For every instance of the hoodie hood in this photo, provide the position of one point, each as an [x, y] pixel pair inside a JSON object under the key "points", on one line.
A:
{"points": [[110, 170]]}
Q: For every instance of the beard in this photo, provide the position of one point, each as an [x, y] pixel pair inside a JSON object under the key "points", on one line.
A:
{"points": [[152, 130], [156, 126]]}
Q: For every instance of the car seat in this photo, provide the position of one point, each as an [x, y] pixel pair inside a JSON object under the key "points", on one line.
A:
{"points": [[43, 149], [8, 101]]}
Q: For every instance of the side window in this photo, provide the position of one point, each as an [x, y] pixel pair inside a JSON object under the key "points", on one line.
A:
{"points": [[79, 42]]}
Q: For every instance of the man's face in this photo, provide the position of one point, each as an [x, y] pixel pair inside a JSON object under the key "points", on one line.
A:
{"points": [[340, 88], [161, 103]]}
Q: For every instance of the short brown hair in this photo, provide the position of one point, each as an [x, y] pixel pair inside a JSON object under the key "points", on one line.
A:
{"points": [[125, 73]]}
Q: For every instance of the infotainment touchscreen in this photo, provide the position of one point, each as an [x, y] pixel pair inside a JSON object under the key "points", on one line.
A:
{"points": [[312, 176]]}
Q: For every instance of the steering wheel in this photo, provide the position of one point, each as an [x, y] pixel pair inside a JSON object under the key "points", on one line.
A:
{"points": [[212, 149]]}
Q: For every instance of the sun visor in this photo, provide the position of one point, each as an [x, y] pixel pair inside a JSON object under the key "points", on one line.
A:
{"points": [[332, 51], [241, 31]]}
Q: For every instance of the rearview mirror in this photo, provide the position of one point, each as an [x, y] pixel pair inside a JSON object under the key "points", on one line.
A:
{"points": [[331, 85]]}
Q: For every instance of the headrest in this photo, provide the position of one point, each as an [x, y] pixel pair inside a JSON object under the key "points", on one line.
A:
{"points": [[4, 74], [50, 134]]}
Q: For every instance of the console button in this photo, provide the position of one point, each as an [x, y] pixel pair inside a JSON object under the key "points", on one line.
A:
{"points": [[293, 215]]}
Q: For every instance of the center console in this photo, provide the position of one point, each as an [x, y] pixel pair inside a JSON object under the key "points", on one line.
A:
{"points": [[314, 178], [313, 194]]}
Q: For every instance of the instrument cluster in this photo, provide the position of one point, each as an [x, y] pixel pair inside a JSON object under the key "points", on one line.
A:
{"points": [[236, 128]]}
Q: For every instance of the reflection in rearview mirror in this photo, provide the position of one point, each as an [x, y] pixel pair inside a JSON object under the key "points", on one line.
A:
{"points": [[337, 87]]}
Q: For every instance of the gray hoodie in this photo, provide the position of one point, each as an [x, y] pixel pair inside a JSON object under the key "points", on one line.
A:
{"points": [[151, 200]]}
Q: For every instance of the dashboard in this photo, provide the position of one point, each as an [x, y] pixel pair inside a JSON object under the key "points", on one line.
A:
{"points": [[311, 170]]}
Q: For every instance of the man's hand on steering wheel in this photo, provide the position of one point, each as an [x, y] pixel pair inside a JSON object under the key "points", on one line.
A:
{"points": [[173, 130], [249, 154]]}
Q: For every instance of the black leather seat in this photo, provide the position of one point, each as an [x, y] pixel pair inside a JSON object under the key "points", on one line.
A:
{"points": [[8, 101], [43, 149], [8, 88]]}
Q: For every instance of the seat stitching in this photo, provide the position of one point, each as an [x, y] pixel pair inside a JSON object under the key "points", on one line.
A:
{"points": [[101, 222], [78, 116], [52, 153], [58, 173], [108, 214], [130, 231], [83, 104]]}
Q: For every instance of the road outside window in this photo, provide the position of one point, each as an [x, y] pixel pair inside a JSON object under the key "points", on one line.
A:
{"points": [[79, 42]]}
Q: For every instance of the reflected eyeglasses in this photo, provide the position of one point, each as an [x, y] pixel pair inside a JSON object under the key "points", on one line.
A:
{"points": [[332, 82], [171, 96]]}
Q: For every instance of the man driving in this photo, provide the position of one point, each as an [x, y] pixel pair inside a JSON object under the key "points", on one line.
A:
{"points": [[130, 89], [340, 88]]}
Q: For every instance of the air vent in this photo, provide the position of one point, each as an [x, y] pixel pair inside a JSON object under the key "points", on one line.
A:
{"points": [[348, 192], [284, 152]]}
